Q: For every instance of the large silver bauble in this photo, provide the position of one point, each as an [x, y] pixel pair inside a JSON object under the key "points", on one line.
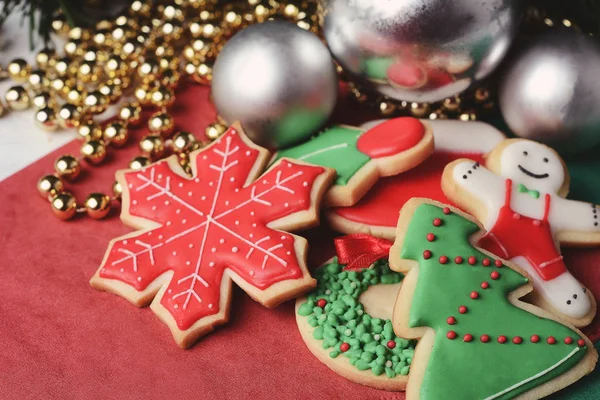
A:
{"points": [[278, 80], [419, 50], [551, 91]]}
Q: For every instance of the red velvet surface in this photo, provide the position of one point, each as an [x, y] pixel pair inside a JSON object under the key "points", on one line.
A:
{"points": [[61, 339]]}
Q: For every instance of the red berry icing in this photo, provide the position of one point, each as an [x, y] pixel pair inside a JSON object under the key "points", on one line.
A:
{"points": [[485, 338], [568, 340], [502, 339], [462, 309], [581, 342], [495, 275], [451, 320], [427, 254], [472, 260], [443, 260], [321, 303], [344, 347], [391, 137], [551, 340], [446, 210], [458, 260], [486, 262], [451, 335], [474, 295], [517, 340], [437, 222], [430, 237], [468, 337], [391, 344], [485, 285], [535, 338], [498, 263]]}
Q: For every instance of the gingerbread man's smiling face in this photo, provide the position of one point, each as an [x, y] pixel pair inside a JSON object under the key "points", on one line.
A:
{"points": [[534, 165]]}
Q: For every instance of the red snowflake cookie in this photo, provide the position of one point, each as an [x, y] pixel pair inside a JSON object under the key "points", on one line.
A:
{"points": [[199, 233]]}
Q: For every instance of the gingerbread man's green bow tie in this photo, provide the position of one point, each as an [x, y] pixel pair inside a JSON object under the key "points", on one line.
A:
{"points": [[533, 193]]}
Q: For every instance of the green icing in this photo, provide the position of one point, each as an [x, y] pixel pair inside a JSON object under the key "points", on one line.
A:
{"points": [[376, 67], [343, 319], [476, 370], [334, 148]]}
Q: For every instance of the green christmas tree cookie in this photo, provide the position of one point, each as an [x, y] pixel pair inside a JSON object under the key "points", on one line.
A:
{"points": [[478, 341]]}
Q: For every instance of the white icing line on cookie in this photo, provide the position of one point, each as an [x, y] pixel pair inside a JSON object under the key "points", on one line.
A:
{"points": [[326, 149], [544, 372]]}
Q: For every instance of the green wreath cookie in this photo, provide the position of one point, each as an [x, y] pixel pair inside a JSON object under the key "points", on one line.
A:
{"points": [[341, 334]]}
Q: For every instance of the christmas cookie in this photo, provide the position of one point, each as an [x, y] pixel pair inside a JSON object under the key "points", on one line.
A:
{"points": [[377, 212], [477, 340], [361, 156], [195, 234], [520, 201], [336, 325]]}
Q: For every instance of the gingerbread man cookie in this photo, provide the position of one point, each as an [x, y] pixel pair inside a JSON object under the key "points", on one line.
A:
{"points": [[477, 339], [520, 200], [196, 234], [361, 156], [377, 212]]}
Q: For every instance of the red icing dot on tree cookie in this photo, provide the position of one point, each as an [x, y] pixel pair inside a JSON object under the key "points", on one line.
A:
{"points": [[517, 340], [391, 137], [443, 260], [344, 347], [430, 237], [581, 343], [391, 344], [427, 254], [468, 337], [446, 210], [502, 339], [451, 335], [485, 338], [458, 260], [551, 340], [485, 285], [568, 340], [498, 263], [451, 320], [495, 275], [437, 222], [535, 338], [472, 260], [486, 262], [321, 303], [474, 295], [462, 309]]}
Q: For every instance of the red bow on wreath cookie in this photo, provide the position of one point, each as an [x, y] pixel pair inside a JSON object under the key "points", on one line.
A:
{"points": [[359, 250]]}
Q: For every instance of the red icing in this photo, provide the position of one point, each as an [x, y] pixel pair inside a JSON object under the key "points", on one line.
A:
{"points": [[535, 338], [498, 263], [458, 260], [427, 254], [462, 309], [580, 342], [568, 340], [474, 295], [437, 222], [485, 285], [446, 210], [495, 275], [517, 340], [443, 260], [502, 339], [468, 337], [210, 223], [451, 335], [551, 340], [486, 262], [451, 320], [511, 237], [430, 237], [485, 338], [321, 303], [380, 206], [344, 347], [391, 344], [472, 260], [391, 137]]}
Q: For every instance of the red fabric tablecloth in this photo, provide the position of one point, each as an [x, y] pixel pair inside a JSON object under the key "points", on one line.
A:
{"points": [[62, 339]]}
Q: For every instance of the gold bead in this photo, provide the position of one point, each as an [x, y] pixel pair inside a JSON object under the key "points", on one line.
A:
{"points": [[18, 70], [184, 162], [419, 109], [37, 80], [168, 63], [161, 123], [112, 91], [173, 12], [45, 58], [359, 96], [115, 66], [74, 48], [64, 206], [162, 97], [183, 142], [97, 205], [170, 78], [60, 26], [89, 72], [94, 151], [141, 8], [43, 99], [387, 108], [139, 162], [468, 115], [49, 186], [78, 33], [203, 73], [116, 133], [190, 67], [171, 30], [452, 104], [75, 95], [17, 98], [213, 131], [291, 11], [95, 102], [61, 85], [148, 70], [482, 94], [89, 130], [45, 119], [131, 113], [67, 167], [142, 94], [102, 37], [131, 48], [119, 35], [152, 146], [117, 190], [61, 66], [69, 116]]}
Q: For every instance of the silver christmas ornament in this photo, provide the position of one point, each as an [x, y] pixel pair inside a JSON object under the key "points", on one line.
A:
{"points": [[419, 50], [551, 91], [278, 80]]}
